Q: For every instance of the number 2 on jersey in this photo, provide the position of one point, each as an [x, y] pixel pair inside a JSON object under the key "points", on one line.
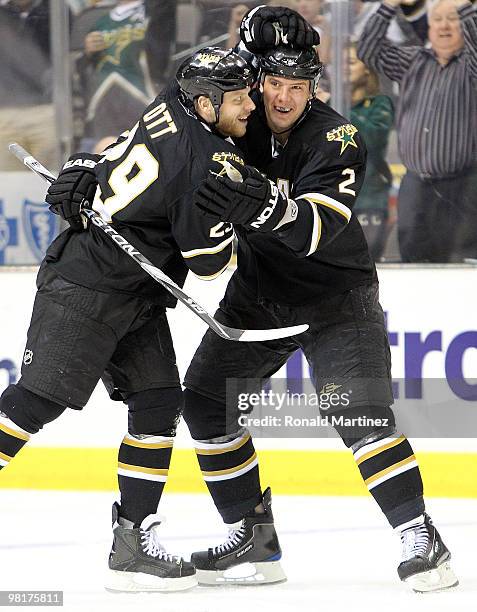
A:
{"points": [[219, 230], [343, 188]]}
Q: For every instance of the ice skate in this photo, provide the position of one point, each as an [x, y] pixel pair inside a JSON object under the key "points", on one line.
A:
{"points": [[138, 561], [425, 563], [249, 556]]}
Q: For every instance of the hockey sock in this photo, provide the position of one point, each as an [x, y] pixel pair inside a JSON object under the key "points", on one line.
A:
{"points": [[12, 439], [229, 467], [143, 464], [419, 520], [391, 473], [22, 413]]}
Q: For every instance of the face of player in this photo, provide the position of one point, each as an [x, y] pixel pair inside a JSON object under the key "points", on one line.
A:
{"points": [[285, 101], [445, 33], [234, 113]]}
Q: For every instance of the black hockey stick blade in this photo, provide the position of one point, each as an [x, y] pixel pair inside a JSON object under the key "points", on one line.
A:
{"points": [[228, 333]]}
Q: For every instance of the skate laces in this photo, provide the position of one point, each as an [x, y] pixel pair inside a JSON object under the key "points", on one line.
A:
{"points": [[152, 546], [233, 539], [415, 542]]}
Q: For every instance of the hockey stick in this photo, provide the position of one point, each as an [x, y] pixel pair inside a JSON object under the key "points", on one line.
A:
{"points": [[229, 333]]}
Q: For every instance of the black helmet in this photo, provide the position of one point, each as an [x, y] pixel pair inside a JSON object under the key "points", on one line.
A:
{"points": [[211, 72], [292, 64]]}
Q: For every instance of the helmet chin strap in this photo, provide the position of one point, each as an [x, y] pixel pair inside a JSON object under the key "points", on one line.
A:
{"points": [[217, 113], [212, 125], [209, 124]]}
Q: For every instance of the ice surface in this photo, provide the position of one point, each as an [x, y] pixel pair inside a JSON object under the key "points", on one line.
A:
{"points": [[339, 554]]}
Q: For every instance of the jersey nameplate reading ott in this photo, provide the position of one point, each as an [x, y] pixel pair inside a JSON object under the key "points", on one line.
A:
{"points": [[160, 117]]}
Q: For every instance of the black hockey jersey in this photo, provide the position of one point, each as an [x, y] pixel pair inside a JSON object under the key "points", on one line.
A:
{"points": [[321, 167], [146, 181]]}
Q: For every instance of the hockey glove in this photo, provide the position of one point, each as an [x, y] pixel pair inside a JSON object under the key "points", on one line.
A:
{"points": [[256, 203], [265, 27], [74, 189]]}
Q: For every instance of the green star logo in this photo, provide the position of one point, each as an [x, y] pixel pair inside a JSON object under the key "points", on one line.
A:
{"points": [[344, 134]]}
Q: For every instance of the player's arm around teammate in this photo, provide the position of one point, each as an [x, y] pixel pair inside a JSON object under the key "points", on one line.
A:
{"points": [[314, 204]]}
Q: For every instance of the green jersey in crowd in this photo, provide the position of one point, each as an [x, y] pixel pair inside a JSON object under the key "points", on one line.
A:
{"points": [[373, 117], [123, 29]]}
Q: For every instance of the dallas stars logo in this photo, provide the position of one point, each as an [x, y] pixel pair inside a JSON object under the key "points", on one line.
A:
{"points": [[115, 41], [329, 388], [343, 134], [208, 58], [227, 168]]}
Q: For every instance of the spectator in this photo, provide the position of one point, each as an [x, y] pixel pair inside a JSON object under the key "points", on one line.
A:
{"points": [[312, 11], [216, 16], [373, 115], [236, 15], [103, 144], [118, 89], [400, 30], [414, 12], [26, 110], [160, 39], [436, 122]]}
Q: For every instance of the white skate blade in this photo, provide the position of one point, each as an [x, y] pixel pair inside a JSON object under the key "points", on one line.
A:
{"points": [[434, 580], [137, 582], [265, 572]]}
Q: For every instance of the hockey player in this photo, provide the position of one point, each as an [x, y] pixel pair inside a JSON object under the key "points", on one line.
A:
{"points": [[302, 257], [96, 313]]}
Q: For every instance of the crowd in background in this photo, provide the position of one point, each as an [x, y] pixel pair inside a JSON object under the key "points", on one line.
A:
{"points": [[412, 72]]}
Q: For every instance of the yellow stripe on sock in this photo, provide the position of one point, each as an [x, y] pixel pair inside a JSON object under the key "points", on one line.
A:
{"points": [[220, 451], [5, 457], [152, 446], [381, 449], [231, 470], [139, 468], [390, 469], [14, 433]]}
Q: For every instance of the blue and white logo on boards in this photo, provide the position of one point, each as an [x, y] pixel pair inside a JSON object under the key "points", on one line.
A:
{"points": [[8, 233], [9, 367], [4, 233], [40, 226]]}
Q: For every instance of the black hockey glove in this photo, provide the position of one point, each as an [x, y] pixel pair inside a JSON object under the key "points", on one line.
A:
{"points": [[74, 189], [265, 27], [256, 203]]}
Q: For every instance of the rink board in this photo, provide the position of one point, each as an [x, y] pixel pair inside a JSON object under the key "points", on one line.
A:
{"points": [[78, 450], [288, 472]]}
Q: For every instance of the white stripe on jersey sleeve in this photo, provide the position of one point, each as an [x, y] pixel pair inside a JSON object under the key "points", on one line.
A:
{"points": [[316, 232], [217, 274], [324, 200], [209, 250]]}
